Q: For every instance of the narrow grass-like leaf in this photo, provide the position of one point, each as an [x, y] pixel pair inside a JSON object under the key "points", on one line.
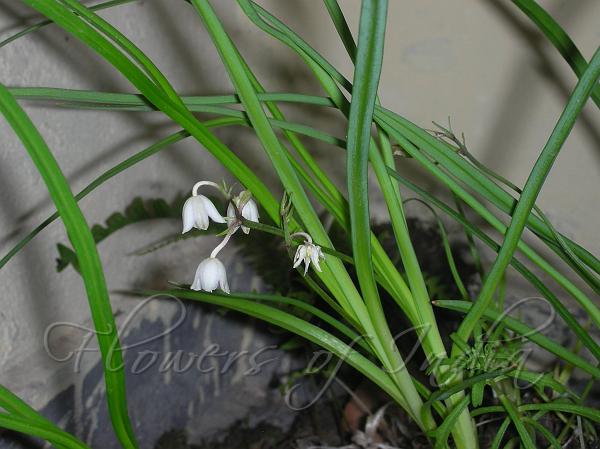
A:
{"points": [[513, 414], [20, 409], [127, 47], [565, 407], [559, 38], [530, 192], [366, 81], [80, 29], [557, 304], [343, 30], [44, 23], [445, 393], [76, 98], [460, 285], [34, 428], [296, 325], [333, 322], [91, 267], [544, 431], [110, 173], [447, 426], [333, 274], [500, 434]]}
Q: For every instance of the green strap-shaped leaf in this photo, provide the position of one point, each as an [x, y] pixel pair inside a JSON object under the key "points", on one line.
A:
{"points": [[550, 438], [559, 307], [77, 98], [497, 195], [72, 23], [293, 324], [442, 433], [565, 407], [91, 268], [484, 212], [532, 187], [55, 436], [514, 415], [366, 81], [500, 434], [43, 23], [27, 416], [559, 38]]}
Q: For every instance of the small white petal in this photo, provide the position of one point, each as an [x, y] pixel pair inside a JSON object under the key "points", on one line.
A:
{"points": [[196, 284], [314, 253], [315, 256], [201, 220], [307, 264], [300, 254], [211, 210], [250, 211], [194, 211], [231, 211], [187, 215], [224, 285]]}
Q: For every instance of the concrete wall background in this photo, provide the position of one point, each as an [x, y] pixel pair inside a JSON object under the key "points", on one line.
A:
{"points": [[478, 61]]}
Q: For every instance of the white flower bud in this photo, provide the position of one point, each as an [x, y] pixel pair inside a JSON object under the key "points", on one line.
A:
{"points": [[210, 275], [249, 210]]}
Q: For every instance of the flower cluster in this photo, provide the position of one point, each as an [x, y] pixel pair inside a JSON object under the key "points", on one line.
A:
{"points": [[197, 212]]}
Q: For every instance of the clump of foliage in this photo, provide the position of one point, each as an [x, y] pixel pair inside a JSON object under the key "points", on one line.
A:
{"points": [[349, 285]]}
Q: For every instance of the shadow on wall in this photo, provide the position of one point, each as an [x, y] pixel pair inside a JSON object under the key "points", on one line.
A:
{"points": [[203, 376], [524, 90]]}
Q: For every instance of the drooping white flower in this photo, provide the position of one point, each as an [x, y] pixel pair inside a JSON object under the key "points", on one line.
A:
{"points": [[210, 275], [308, 252], [249, 209], [197, 210]]}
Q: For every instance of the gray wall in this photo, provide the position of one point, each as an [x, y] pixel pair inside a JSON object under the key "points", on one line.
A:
{"points": [[478, 61]]}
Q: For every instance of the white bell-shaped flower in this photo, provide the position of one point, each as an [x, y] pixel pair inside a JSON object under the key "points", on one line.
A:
{"points": [[197, 210], [249, 209], [210, 275], [308, 252]]}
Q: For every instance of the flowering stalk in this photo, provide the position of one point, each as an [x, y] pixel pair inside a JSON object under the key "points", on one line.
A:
{"points": [[198, 210], [221, 245], [207, 183]]}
